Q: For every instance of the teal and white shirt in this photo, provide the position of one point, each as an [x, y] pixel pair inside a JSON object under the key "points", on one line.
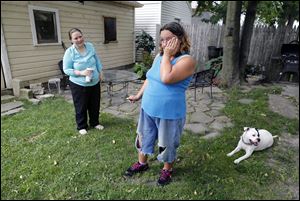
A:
{"points": [[73, 60]]}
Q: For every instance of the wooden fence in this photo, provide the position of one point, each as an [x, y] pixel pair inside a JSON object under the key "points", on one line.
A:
{"points": [[265, 43]]}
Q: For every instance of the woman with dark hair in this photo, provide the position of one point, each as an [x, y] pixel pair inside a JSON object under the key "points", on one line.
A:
{"points": [[163, 108], [83, 65]]}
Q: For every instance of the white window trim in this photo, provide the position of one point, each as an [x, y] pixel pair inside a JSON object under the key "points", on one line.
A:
{"points": [[32, 23]]}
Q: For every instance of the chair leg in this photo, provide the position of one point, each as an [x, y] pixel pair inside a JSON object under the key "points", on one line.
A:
{"points": [[49, 87], [211, 91], [279, 77], [195, 93]]}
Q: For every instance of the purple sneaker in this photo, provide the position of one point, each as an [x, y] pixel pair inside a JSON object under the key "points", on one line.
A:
{"points": [[135, 168], [165, 177]]}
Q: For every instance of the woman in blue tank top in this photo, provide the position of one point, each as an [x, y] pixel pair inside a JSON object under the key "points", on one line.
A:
{"points": [[163, 107]]}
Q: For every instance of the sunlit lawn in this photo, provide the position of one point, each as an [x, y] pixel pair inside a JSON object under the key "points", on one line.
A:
{"points": [[43, 157]]}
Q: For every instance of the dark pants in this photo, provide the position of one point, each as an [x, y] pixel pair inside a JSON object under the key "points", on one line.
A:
{"points": [[86, 100]]}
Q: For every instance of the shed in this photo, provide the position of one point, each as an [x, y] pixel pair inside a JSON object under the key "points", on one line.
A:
{"points": [[32, 33]]}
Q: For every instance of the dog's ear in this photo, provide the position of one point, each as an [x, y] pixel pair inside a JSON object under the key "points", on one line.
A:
{"points": [[246, 128]]}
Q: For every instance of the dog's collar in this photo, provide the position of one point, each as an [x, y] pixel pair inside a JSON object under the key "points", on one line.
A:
{"points": [[246, 142], [257, 132]]}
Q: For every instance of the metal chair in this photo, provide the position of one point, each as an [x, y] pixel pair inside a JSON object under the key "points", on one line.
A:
{"points": [[205, 78], [65, 77]]}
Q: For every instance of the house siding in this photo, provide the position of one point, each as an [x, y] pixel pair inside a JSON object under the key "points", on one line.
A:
{"points": [[147, 17], [176, 9], [155, 13], [30, 62]]}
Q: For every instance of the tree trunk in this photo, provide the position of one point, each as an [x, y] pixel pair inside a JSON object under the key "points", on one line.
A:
{"points": [[246, 37], [230, 70]]}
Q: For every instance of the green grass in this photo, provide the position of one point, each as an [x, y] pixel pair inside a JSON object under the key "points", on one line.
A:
{"points": [[43, 157]]}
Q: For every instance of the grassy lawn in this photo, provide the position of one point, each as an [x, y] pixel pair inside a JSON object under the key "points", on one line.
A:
{"points": [[43, 157]]}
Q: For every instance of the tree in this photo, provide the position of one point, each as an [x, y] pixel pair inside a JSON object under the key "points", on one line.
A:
{"points": [[216, 8], [246, 37], [230, 71], [280, 12], [284, 13]]}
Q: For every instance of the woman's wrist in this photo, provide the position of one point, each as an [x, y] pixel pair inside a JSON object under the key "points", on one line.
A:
{"points": [[167, 54], [137, 97], [77, 72]]}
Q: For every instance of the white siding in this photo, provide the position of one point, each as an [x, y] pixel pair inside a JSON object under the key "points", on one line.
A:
{"points": [[160, 12], [147, 17], [176, 9], [30, 62]]}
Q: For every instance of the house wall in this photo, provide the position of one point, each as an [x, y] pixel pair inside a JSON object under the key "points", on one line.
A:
{"points": [[157, 13], [147, 17], [176, 9], [30, 62]]}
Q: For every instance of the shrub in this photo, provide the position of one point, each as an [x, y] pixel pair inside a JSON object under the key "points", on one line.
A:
{"points": [[140, 69], [145, 41]]}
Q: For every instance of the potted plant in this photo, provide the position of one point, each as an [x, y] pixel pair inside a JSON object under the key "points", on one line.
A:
{"points": [[145, 44], [145, 41]]}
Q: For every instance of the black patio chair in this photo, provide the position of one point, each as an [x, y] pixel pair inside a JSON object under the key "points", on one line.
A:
{"points": [[205, 78], [65, 77]]}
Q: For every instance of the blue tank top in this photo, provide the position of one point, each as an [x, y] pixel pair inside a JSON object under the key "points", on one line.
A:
{"points": [[165, 101]]}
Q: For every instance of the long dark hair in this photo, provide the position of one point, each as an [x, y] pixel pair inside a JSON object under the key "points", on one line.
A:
{"points": [[178, 31]]}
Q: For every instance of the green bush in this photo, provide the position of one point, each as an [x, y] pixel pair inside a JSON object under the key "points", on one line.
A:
{"points": [[140, 69], [147, 59], [145, 41]]}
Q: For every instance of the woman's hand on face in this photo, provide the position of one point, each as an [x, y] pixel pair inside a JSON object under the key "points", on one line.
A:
{"points": [[172, 46]]}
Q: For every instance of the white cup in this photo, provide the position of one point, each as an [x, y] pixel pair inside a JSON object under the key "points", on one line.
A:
{"points": [[89, 78]]}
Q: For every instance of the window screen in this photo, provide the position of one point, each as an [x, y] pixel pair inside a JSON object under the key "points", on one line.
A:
{"points": [[45, 25], [110, 29]]}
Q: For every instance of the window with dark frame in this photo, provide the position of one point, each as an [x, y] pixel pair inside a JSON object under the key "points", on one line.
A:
{"points": [[110, 29], [45, 25]]}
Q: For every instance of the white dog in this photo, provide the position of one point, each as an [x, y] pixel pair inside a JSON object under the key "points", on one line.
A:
{"points": [[252, 140]]}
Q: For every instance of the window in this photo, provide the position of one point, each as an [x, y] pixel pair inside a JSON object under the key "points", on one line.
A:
{"points": [[110, 29], [44, 25]]}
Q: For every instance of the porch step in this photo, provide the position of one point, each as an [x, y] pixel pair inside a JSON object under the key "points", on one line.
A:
{"points": [[6, 92], [11, 108], [13, 111], [7, 98]]}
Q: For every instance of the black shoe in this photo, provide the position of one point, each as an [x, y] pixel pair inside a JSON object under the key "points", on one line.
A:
{"points": [[165, 177], [135, 168]]}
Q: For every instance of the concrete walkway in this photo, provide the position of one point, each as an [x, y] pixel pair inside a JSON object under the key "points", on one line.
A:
{"points": [[203, 115]]}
